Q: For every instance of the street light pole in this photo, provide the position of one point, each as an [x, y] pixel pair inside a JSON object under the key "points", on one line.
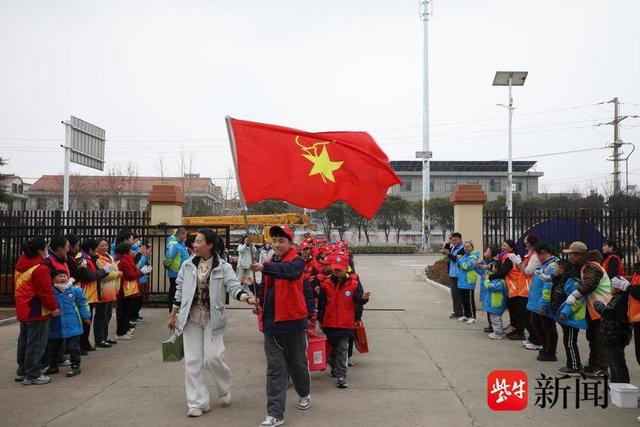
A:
{"points": [[426, 172]]}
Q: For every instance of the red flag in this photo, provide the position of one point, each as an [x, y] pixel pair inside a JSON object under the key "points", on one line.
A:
{"points": [[311, 170]]}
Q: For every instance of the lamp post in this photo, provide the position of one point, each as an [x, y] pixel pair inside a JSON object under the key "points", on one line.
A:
{"points": [[510, 79]]}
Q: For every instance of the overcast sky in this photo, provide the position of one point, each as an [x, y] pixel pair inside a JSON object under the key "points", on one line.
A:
{"points": [[159, 77]]}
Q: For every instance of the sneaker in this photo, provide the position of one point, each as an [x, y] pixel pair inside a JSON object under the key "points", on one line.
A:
{"points": [[462, 319], [112, 342], [494, 336], [546, 357], [75, 370], [131, 331], [471, 321], [342, 383], [225, 400], [304, 403], [488, 329], [124, 337], [103, 344], [132, 324], [525, 342], [453, 316], [270, 421], [350, 362], [19, 378], [42, 379], [597, 374], [50, 371], [65, 362], [197, 412], [531, 346], [516, 336], [139, 320], [570, 372], [507, 330], [588, 369]]}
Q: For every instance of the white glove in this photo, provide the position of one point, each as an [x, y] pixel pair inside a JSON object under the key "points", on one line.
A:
{"points": [[83, 264], [620, 283], [542, 276], [515, 259], [71, 281], [146, 269], [109, 268]]}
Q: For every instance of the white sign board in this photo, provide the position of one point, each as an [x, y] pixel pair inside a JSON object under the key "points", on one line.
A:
{"points": [[87, 143]]}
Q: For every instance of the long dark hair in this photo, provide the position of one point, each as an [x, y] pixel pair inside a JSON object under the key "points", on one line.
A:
{"points": [[31, 247]]}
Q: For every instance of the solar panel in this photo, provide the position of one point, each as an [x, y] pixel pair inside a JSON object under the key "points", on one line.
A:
{"points": [[461, 166]]}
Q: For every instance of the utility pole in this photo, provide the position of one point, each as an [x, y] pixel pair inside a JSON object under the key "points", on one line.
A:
{"points": [[425, 154], [617, 143]]}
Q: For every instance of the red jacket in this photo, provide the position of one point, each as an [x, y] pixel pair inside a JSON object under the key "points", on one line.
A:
{"points": [[33, 289], [310, 270], [130, 276], [56, 264], [338, 302], [289, 302]]}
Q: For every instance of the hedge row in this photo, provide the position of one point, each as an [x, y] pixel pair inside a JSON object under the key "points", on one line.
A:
{"points": [[383, 249]]}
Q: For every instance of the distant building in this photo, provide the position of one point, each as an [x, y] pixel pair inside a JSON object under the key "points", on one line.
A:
{"points": [[445, 175], [16, 189], [108, 192]]}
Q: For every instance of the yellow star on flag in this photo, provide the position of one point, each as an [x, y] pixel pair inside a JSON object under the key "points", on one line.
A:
{"points": [[323, 165]]}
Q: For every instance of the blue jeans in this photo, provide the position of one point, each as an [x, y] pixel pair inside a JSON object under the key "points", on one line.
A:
{"points": [[32, 344]]}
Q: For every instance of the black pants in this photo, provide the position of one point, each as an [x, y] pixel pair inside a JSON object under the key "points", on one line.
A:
{"points": [[636, 337], [286, 356], [617, 363], [123, 313], [136, 306], [86, 329], [546, 329], [101, 321], [570, 341], [56, 348], [518, 313], [32, 346], [597, 347], [455, 296], [350, 351], [468, 303], [172, 292], [338, 361]]}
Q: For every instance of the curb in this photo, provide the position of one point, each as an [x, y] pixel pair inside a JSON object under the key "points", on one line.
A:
{"points": [[9, 321], [437, 285]]}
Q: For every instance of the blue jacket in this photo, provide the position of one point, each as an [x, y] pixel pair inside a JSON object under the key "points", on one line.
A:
{"points": [[73, 306], [141, 263], [483, 274], [174, 246], [467, 275], [540, 290], [577, 313], [453, 265], [495, 296]]}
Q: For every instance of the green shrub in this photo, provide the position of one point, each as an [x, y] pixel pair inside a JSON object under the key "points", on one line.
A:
{"points": [[439, 271], [383, 249]]}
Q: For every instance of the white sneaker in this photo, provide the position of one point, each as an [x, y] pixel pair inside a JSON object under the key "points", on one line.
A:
{"points": [[66, 362], [131, 331], [525, 342], [197, 412], [530, 346], [471, 321], [123, 337], [225, 400], [494, 336], [304, 403], [270, 421], [462, 319]]}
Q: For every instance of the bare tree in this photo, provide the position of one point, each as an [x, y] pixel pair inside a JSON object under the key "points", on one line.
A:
{"points": [[119, 183]]}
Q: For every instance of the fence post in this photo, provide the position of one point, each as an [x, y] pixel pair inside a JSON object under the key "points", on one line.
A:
{"points": [[468, 201]]}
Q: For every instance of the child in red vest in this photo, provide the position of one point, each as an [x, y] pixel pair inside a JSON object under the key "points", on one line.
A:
{"points": [[339, 294]]}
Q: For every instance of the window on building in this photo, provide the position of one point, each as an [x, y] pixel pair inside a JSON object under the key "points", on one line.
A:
{"points": [[432, 185], [449, 186], [517, 185], [406, 186], [495, 185], [103, 204], [14, 188], [133, 204], [41, 203], [20, 189], [23, 205]]}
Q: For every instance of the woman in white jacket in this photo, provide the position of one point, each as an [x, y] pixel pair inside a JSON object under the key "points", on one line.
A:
{"points": [[199, 313]]}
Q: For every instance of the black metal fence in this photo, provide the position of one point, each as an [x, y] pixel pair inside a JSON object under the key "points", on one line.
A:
{"points": [[561, 227], [19, 226]]}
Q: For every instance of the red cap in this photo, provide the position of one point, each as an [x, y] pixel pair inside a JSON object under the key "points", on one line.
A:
{"points": [[282, 229], [340, 262], [307, 244]]}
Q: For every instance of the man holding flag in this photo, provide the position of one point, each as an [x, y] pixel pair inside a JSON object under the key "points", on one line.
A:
{"points": [[313, 170]]}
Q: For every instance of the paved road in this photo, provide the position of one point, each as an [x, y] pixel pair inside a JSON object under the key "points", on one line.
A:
{"points": [[423, 370]]}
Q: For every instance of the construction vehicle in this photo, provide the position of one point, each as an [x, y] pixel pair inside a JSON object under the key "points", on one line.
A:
{"points": [[237, 222]]}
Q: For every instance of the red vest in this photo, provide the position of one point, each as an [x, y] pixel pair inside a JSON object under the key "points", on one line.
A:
{"points": [[289, 300], [605, 264], [309, 269], [339, 307], [57, 265]]}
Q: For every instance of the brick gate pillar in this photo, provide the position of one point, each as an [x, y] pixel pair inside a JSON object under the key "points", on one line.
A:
{"points": [[468, 201]]}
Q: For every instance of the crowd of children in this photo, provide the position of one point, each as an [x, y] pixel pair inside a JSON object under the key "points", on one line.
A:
{"points": [[587, 290], [64, 288]]}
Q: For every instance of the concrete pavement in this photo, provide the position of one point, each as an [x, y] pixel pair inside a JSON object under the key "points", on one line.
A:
{"points": [[423, 370]]}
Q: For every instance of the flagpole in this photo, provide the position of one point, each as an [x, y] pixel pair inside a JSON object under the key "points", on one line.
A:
{"points": [[243, 203]]}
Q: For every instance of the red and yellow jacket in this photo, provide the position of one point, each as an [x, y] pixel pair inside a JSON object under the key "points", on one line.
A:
{"points": [[130, 274], [33, 289]]}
